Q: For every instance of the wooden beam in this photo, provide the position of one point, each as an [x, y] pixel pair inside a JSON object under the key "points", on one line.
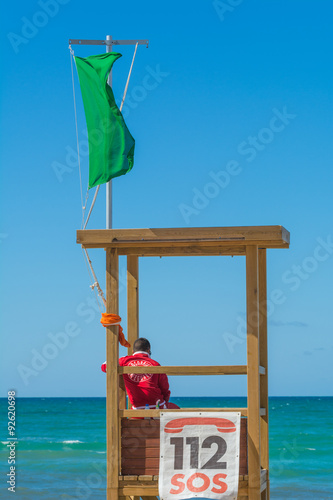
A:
{"points": [[132, 300], [186, 370], [180, 251], [253, 377], [152, 491], [184, 250], [112, 378], [263, 359], [248, 233], [129, 479], [156, 413]]}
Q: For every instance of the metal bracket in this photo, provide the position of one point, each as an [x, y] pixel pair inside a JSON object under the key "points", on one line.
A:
{"points": [[78, 41]]}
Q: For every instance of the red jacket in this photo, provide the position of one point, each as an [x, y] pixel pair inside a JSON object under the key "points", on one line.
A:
{"points": [[145, 388]]}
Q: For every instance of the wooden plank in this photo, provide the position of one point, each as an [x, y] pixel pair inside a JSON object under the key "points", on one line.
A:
{"points": [[132, 300], [122, 393], [156, 413], [181, 250], [141, 471], [252, 234], [138, 483], [243, 493], [135, 443], [263, 359], [184, 249], [112, 378], [218, 245], [138, 431], [132, 453], [187, 370], [178, 251], [150, 491], [125, 423], [253, 377]]}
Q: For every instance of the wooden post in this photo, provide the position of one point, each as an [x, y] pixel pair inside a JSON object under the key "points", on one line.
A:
{"points": [[264, 445], [132, 300], [132, 306], [253, 382], [112, 377]]}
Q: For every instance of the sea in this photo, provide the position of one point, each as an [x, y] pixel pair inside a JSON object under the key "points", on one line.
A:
{"points": [[60, 451]]}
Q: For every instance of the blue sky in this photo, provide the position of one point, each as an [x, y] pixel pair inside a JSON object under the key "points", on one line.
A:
{"points": [[248, 85]]}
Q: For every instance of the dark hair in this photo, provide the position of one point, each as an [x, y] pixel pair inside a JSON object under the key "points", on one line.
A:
{"points": [[141, 344]]}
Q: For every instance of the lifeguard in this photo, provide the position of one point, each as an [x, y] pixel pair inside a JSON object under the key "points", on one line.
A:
{"points": [[145, 388]]}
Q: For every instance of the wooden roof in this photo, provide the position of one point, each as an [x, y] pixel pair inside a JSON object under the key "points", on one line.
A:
{"points": [[185, 241]]}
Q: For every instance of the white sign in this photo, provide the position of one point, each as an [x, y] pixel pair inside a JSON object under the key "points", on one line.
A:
{"points": [[199, 455]]}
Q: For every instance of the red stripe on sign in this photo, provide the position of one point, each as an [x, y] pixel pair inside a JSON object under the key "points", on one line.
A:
{"points": [[222, 424]]}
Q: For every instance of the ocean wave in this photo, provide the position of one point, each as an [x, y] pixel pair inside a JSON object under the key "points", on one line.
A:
{"points": [[71, 441]]}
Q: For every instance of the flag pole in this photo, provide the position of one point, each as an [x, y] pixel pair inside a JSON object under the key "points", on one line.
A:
{"points": [[109, 184]]}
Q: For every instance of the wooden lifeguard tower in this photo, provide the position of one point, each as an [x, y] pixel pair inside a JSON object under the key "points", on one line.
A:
{"points": [[134, 473]]}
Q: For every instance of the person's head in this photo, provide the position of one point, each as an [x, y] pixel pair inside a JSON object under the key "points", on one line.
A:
{"points": [[141, 344]]}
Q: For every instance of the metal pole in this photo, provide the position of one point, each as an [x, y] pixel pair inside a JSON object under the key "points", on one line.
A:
{"points": [[109, 184]]}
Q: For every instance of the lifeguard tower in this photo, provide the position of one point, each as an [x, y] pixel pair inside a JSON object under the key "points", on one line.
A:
{"points": [[133, 445]]}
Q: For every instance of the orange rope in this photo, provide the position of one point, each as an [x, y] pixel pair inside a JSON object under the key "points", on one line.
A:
{"points": [[112, 319]]}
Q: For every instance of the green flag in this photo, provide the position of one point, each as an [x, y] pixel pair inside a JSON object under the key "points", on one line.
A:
{"points": [[111, 146]]}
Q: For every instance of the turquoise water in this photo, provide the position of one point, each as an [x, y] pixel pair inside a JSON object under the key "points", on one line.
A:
{"points": [[61, 447]]}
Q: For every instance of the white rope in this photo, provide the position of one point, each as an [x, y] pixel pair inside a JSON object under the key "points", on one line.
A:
{"points": [[128, 78], [77, 137], [92, 206], [94, 280]]}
